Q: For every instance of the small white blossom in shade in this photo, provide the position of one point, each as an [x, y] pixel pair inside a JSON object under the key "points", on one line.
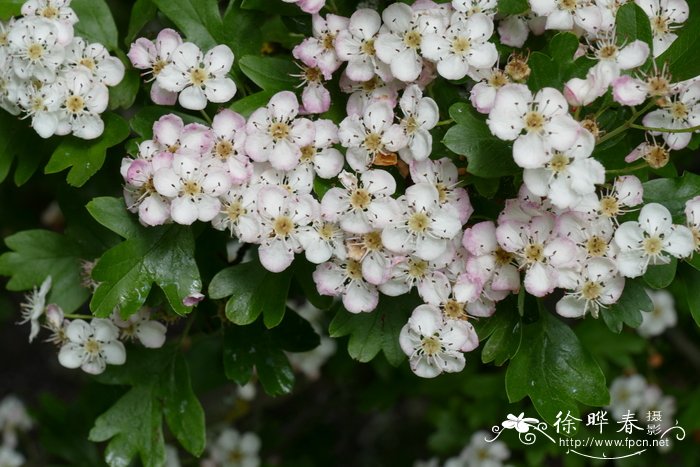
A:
{"points": [[483, 94], [344, 278], [481, 453], [141, 327], [172, 458], [56, 324], [683, 111], [564, 15], [464, 47], [153, 57], [194, 187], [356, 45], [96, 59], [568, 175], [199, 78], [692, 214], [657, 155], [655, 401], [420, 115], [662, 317], [10, 458], [229, 146], [597, 286], [282, 216], [362, 204], [308, 6], [424, 226], [34, 306], [275, 134], [665, 16], [651, 240], [626, 393], [10, 86], [84, 100], [92, 346], [239, 215], [233, 449], [36, 53], [310, 362], [13, 419], [320, 157], [322, 240], [319, 50], [435, 345], [545, 119], [369, 136], [58, 12], [443, 175], [42, 104], [539, 250]]}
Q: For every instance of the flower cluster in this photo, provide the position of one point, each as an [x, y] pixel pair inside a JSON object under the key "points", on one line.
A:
{"points": [[89, 345], [633, 393], [13, 420], [48, 74], [233, 449]]}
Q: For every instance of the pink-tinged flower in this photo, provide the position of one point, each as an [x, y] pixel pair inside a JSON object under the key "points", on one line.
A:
{"points": [[442, 174], [96, 59], [356, 45], [434, 345], [565, 15], [657, 155], [154, 57], [665, 17], [373, 134], [58, 12], [411, 271], [483, 94], [141, 327], [319, 50], [645, 242], [545, 119], [363, 204], [580, 92], [275, 134], [682, 112], [315, 98], [308, 6], [513, 30], [229, 144], [592, 234], [35, 49], [140, 193], [420, 115], [298, 181], [344, 278], [239, 214], [92, 346], [538, 250], [597, 286], [463, 48], [692, 214], [612, 59], [199, 78], [365, 93], [376, 260], [424, 226], [629, 91], [488, 261], [320, 157], [521, 423], [85, 100], [194, 187], [626, 193], [568, 175], [322, 240], [282, 218], [175, 138]]}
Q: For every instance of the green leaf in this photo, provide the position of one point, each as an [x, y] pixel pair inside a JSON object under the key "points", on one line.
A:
{"points": [[513, 7], [631, 23], [39, 253], [270, 73], [10, 8], [110, 213], [672, 192], [242, 30], [96, 22], [559, 66], [142, 122], [681, 56], [8, 127], [162, 255], [85, 158], [554, 370], [134, 426], [660, 276], [253, 290], [123, 95], [302, 271], [271, 6], [607, 347], [250, 104], [689, 280], [142, 12], [488, 156], [295, 334], [628, 309], [199, 20], [505, 331], [274, 371], [694, 261]]}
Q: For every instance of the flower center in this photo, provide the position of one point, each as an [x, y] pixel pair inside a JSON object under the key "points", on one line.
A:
{"points": [[328, 40], [411, 125], [412, 39], [502, 257], [367, 47], [371, 84], [353, 269], [158, 66], [534, 253], [88, 63], [198, 76], [658, 86], [223, 149], [312, 75], [308, 153], [417, 268], [92, 347], [517, 68], [498, 79], [191, 188], [534, 121], [461, 45], [568, 5], [35, 51], [608, 51], [454, 309], [373, 142], [591, 290], [235, 456], [659, 25], [283, 226], [442, 192], [609, 206], [418, 222], [49, 12], [360, 199], [657, 156], [596, 246], [75, 104], [696, 236], [279, 130], [559, 163], [652, 245], [372, 241], [430, 345], [234, 210], [327, 231], [37, 104], [679, 110]]}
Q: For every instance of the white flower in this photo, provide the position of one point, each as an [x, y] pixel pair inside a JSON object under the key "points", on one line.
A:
{"points": [[464, 47], [565, 14], [92, 346], [597, 286], [662, 317], [665, 16], [319, 50], [344, 278], [58, 12], [442, 174], [420, 115], [139, 326], [310, 362], [683, 111], [34, 307], [96, 59], [645, 242], [322, 240], [33, 44], [199, 78], [42, 104], [84, 100], [153, 57], [434, 345], [275, 134], [232, 449], [413, 271], [228, 128], [13, 418], [10, 458], [239, 214], [626, 393], [472, 7], [356, 45], [488, 261], [627, 192], [692, 214], [481, 453], [544, 118], [320, 156]]}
